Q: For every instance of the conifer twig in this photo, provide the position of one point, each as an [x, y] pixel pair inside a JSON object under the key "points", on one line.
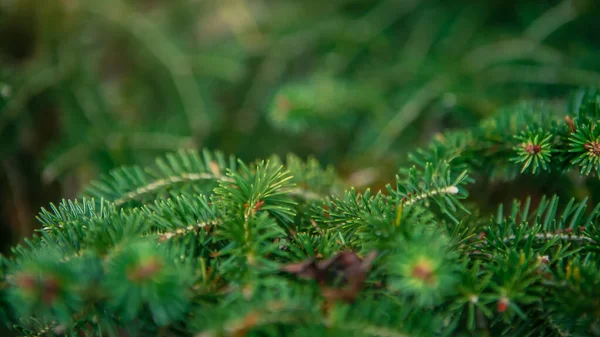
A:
{"points": [[46, 329], [550, 236], [446, 190], [546, 236], [193, 177], [163, 236], [165, 182]]}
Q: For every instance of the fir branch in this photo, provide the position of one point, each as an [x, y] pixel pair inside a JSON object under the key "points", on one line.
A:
{"points": [[167, 182], [418, 197], [194, 177], [197, 241], [552, 236], [164, 236], [46, 330], [182, 168], [189, 168], [248, 222]]}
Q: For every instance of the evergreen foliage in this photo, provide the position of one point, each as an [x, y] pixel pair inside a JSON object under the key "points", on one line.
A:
{"points": [[201, 244], [90, 86], [489, 229]]}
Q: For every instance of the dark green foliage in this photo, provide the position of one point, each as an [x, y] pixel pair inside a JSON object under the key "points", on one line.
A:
{"points": [[398, 240], [136, 184], [150, 284], [90, 86], [272, 247]]}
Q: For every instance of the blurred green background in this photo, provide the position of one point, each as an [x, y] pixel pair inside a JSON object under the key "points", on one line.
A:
{"points": [[88, 85]]}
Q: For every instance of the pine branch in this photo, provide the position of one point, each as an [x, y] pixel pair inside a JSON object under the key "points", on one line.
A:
{"points": [[181, 171], [200, 238], [552, 236], [154, 186], [203, 243], [415, 198], [164, 236]]}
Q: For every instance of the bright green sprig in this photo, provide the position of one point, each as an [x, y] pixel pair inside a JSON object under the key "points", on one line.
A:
{"points": [[263, 189], [181, 171], [423, 267], [584, 143], [534, 150]]}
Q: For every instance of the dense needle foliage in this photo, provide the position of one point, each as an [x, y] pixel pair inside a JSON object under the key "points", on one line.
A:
{"points": [[444, 179], [88, 86], [202, 244]]}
